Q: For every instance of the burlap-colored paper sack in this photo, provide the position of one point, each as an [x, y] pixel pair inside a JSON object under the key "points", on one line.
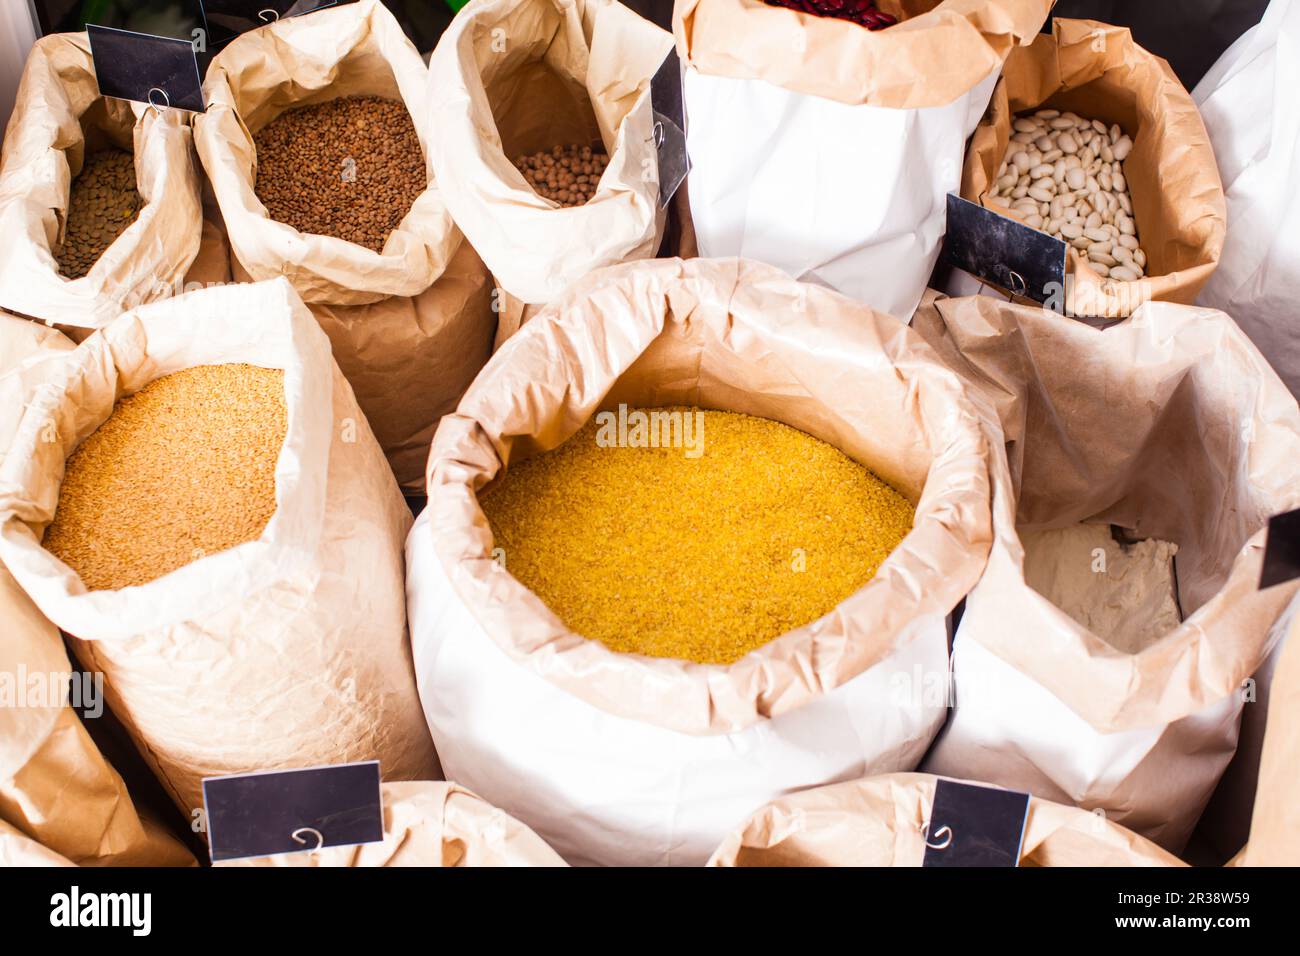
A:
{"points": [[410, 325], [56, 788], [881, 821], [532, 716], [1099, 72], [1275, 823], [18, 850], [286, 651], [513, 77], [1170, 425], [937, 51], [433, 825], [59, 118], [409, 360]]}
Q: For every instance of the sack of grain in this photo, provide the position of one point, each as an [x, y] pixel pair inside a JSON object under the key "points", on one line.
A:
{"points": [[69, 184], [434, 825], [1168, 183], [276, 635], [1248, 104], [1275, 822], [56, 788], [640, 758], [1117, 687], [880, 821], [317, 144], [515, 80], [829, 149]]}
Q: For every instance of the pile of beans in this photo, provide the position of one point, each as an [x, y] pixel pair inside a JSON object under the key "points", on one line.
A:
{"points": [[183, 468], [862, 12], [349, 168], [1065, 175], [103, 202], [651, 551], [567, 175]]}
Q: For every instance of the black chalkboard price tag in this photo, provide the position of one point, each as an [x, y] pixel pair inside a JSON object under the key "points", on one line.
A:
{"points": [[162, 71], [975, 826], [291, 811], [1281, 550], [1001, 251], [669, 129], [227, 19]]}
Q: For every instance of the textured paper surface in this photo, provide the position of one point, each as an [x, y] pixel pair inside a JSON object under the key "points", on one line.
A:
{"points": [[431, 825], [287, 651], [512, 78], [881, 821], [58, 118], [628, 759], [55, 786], [1169, 424], [1099, 72]]}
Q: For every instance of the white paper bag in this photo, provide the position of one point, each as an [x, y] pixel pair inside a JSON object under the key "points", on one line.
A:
{"points": [[1249, 103]]}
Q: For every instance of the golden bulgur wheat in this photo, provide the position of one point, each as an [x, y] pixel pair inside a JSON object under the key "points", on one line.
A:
{"points": [[183, 468], [650, 551]]}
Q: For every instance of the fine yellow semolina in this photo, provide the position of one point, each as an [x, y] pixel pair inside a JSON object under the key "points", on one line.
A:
{"points": [[651, 550], [182, 469]]}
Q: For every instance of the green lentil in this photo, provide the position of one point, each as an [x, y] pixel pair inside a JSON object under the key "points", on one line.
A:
{"points": [[651, 551]]}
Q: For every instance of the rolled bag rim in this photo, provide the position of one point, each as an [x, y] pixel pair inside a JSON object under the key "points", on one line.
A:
{"points": [[873, 68], [422, 255], [97, 298], [118, 615], [719, 699]]}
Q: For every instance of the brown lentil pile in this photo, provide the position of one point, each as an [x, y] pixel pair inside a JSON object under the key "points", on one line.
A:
{"points": [[103, 201], [652, 552], [567, 175], [183, 468], [349, 168]]}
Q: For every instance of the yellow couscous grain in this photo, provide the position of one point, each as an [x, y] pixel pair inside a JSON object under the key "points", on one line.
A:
{"points": [[183, 468], [651, 551]]}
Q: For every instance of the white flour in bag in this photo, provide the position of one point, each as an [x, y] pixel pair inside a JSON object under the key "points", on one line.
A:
{"points": [[1123, 593]]}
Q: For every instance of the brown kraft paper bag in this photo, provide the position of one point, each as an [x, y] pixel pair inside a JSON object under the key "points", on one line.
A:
{"points": [[881, 821], [56, 788], [411, 325], [431, 825], [1099, 72], [59, 118], [511, 78], [1172, 426], [286, 651]]}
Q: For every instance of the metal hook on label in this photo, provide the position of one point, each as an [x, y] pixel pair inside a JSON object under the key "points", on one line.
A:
{"points": [[658, 135], [167, 100], [274, 15], [320, 837], [946, 834], [1017, 284]]}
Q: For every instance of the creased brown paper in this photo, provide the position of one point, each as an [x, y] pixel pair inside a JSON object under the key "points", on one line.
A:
{"points": [[880, 821], [936, 53], [1275, 824], [287, 651], [433, 825], [58, 118], [55, 786], [1172, 425], [1099, 71], [744, 337], [410, 325], [511, 78]]}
